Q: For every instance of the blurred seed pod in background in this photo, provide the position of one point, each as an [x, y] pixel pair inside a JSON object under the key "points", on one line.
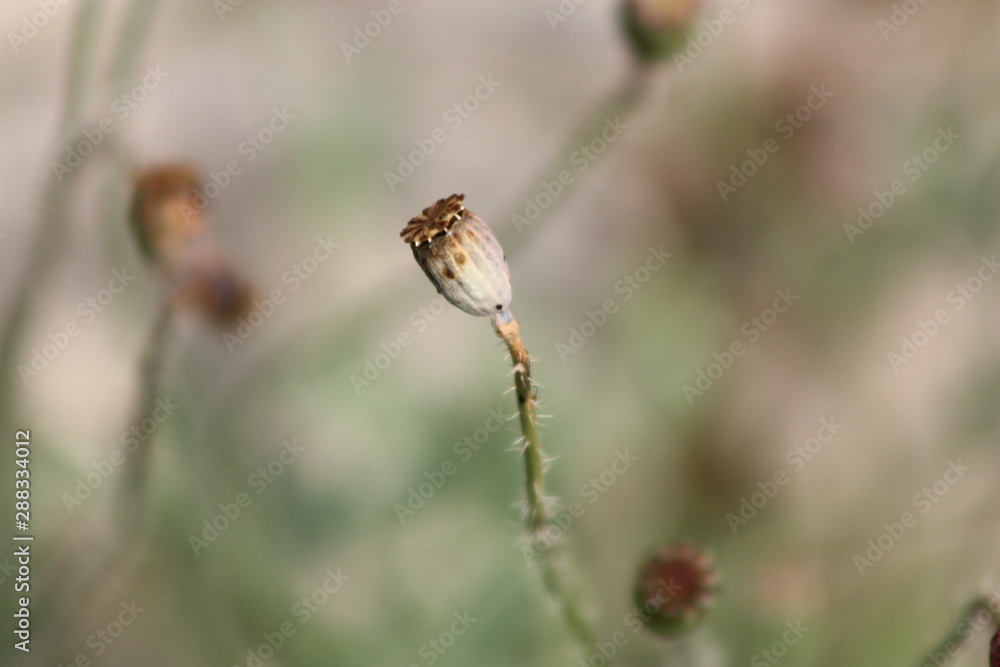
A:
{"points": [[168, 219], [656, 29], [166, 216], [675, 589], [217, 291]]}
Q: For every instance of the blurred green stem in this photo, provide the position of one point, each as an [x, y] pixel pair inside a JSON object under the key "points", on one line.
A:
{"points": [[68, 595], [137, 22], [114, 554], [621, 102], [534, 470], [959, 634], [134, 493], [54, 211]]}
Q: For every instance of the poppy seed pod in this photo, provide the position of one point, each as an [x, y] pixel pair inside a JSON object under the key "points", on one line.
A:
{"points": [[461, 256], [657, 29], [165, 215], [217, 291], [675, 589]]}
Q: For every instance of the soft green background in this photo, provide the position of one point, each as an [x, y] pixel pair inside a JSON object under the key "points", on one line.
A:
{"points": [[333, 507]]}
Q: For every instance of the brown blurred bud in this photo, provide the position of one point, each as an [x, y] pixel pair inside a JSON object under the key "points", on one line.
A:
{"points": [[462, 257], [165, 215], [675, 588], [995, 650], [217, 292], [656, 29]]}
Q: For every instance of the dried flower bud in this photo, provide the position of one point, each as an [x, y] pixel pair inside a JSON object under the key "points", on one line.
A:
{"points": [[217, 291], [675, 588], [656, 28], [165, 216], [461, 256]]}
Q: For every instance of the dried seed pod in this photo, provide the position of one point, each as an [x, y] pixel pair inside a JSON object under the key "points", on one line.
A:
{"points": [[675, 588], [165, 214], [656, 29], [217, 291], [461, 256], [995, 650]]}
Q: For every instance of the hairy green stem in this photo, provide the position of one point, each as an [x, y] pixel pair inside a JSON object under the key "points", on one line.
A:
{"points": [[549, 556]]}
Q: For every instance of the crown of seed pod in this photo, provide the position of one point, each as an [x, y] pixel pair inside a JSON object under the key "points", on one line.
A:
{"points": [[656, 28], [165, 216], [675, 588], [461, 256]]}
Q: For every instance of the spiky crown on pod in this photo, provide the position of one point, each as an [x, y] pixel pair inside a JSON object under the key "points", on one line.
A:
{"points": [[435, 220]]}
